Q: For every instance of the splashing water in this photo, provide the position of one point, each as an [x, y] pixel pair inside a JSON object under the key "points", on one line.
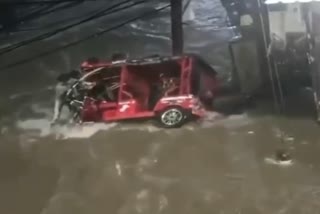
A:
{"points": [[141, 127], [229, 122], [43, 128], [273, 161]]}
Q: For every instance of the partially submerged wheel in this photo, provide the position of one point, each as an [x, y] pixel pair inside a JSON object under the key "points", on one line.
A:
{"points": [[172, 117]]}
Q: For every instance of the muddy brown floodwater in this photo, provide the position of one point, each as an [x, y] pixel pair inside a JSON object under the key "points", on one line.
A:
{"points": [[213, 166], [222, 166]]}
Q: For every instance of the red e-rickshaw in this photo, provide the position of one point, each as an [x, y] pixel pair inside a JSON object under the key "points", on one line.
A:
{"points": [[169, 89]]}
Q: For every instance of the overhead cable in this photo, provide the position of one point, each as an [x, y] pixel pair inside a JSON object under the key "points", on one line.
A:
{"points": [[149, 13], [42, 12], [23, 3], [102, 13]]}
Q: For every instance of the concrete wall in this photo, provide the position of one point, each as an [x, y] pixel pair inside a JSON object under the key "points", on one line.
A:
{"points": [[282, 22]]}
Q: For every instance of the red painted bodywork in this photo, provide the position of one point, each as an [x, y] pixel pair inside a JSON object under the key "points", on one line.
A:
{"points": [[134, 92]]}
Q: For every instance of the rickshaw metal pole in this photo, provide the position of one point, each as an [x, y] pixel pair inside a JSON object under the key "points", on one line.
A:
{"points": [[177, 27]]}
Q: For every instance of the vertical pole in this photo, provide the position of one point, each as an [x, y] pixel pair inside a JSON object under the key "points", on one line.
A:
{"points": [[262, 41], [176, 27], [271, 65], [312, 54], [235, 75]]}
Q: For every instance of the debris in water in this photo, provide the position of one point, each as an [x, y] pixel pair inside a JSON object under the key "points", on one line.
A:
{"points": [[282, 155], [282, 158], [280, 163], [250, 132]]}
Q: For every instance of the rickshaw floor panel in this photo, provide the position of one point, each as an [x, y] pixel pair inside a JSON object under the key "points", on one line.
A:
{"points": [[114, 116]]}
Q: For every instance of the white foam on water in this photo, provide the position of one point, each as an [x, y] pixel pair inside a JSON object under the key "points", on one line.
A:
{"points": [[144, 201], [210, 119], [83, 131], [153, 128], [273, 161], [17, 95], [62, 201], [283, 135], [28, 93], [118, 168], [145, 163], [36, 108], [141, 127], [229, 122], [212, 116], [289, 139], [44, 128], [158, 36], [237, 121], [40, 125]]}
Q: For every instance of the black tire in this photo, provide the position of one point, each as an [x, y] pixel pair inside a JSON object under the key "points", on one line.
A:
{"points": [[167, 120]]}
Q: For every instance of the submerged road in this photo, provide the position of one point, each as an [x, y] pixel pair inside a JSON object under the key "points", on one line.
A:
{"points": [[219, 165]]}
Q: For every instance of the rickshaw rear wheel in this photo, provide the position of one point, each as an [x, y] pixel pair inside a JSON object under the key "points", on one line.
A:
{"points": [[172, 117]]}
